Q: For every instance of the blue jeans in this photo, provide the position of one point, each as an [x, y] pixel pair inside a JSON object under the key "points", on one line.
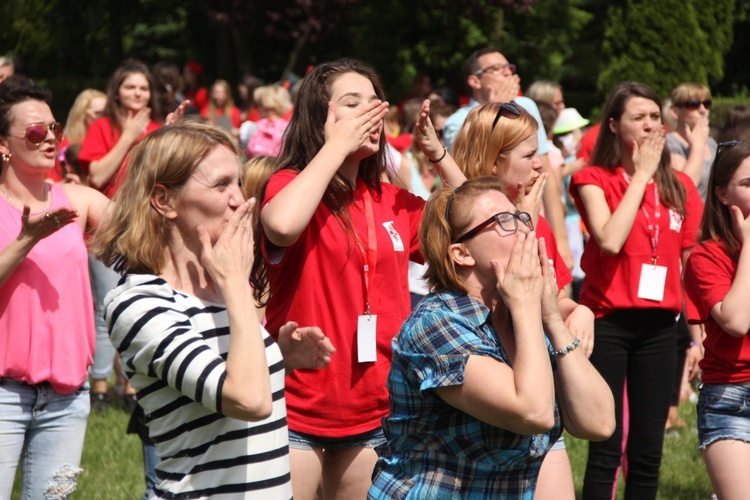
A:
{"points": [[723, 413], [44, 432], [103, 279], [150, 461]]}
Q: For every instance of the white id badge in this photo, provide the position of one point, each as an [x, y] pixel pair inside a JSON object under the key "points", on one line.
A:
{"points": [[366, 326], [652, 283]]}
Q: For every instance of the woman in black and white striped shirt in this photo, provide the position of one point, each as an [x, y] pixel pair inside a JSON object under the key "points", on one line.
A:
{"points": [[208, 376]]}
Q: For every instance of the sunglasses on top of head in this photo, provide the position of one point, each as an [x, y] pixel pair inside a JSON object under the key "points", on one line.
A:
{"points": [[36, 133], [508, 110]]}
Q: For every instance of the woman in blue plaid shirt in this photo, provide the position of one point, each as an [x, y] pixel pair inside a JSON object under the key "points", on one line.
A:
{"points": [[478, 392]]}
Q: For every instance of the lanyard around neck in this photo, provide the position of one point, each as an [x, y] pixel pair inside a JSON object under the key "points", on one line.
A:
{"points": [[370, 252], [653, 229]]}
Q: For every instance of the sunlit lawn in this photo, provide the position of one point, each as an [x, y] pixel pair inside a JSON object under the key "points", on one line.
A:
{"points": [[113, 467]]}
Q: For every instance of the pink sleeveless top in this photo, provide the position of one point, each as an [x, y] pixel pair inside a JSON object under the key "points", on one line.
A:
{"points": [[46, 311]]}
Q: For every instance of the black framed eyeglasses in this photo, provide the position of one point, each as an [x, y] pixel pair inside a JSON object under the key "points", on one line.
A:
{"points": [[695, 104], [508, 110], [508, 222], [496, 69]]}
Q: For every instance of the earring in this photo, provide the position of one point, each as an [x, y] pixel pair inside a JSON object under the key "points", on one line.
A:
{"points": [[5, 157]]}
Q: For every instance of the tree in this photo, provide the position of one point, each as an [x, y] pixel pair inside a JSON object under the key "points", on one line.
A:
{"points": [[664, 43]]}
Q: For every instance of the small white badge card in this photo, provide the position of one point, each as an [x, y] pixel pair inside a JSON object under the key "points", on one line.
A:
{"points": [[366, 327], [652, 283]]}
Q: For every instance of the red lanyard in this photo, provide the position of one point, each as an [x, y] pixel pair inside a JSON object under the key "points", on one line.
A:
{"points": [[653, 229], [370, 254]]}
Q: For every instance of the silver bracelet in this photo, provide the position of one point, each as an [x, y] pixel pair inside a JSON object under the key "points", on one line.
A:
{"points": [[565, 350]]}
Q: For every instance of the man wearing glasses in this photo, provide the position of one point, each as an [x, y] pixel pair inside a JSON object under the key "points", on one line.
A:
{"points": [[491, 78]]}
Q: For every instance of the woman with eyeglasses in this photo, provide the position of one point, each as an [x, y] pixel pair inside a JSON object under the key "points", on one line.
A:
{"points": [[500, 140], [46, 318], [643, 217], [478, 392], [717, 284], [692, 149]]}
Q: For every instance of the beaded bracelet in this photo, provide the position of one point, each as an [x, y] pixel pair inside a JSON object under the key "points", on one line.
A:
{"points": [[567, 349], [445, 152]]}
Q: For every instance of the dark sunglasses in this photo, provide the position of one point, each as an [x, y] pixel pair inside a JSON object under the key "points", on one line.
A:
{"points": [[508, 110], [36, 133], [726, 145], [695, 104], [508, 222]]}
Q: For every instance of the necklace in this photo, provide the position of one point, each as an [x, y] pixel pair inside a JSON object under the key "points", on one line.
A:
{"points": [[13, 202]]}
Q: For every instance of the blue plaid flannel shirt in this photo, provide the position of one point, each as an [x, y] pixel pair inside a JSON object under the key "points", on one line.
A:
{"points": [[435, 450]]}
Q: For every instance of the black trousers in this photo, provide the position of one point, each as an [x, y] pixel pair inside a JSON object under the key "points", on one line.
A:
{"points": [[637, 346]]}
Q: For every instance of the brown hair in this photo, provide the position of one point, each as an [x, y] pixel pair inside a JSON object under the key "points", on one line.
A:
{"points": [[437, 230], [305, 136], [113, 110], [608, 150], [135, 236], [478, 146], [228, 103], [717, 220]]}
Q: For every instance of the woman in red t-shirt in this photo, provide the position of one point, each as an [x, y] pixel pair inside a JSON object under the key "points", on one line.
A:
{"points": [[643, 218], [336, 245], [131, 103], [221, 110], [717, 284]]}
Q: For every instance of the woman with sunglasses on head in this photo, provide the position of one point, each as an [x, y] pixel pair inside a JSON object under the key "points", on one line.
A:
{"points": [[46, 318], [692, 149], [478, 392], [508, 135], [336, 244], [717, 284], [643, 218], [127, 118]]}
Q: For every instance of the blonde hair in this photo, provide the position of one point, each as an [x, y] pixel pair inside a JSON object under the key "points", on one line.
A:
{"points": [[273, 98], [438, 230], [543, 90], [256, 173], [75, 126], [134, 238], [478, 146], [686, 91]]}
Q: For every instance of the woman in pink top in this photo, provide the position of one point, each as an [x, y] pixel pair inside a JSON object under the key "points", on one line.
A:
{"points": [[46, 317]]}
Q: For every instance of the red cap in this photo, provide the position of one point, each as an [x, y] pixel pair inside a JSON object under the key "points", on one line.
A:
{"points": [[195, 67]]}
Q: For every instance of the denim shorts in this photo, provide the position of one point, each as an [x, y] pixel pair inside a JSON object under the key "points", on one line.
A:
{"points": [[723, 413], [371, 439]]}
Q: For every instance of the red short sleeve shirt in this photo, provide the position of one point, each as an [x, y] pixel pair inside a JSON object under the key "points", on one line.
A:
{"points": [[562, 273], [320, 281], [612, 280], [100, 138], [708, 276]]}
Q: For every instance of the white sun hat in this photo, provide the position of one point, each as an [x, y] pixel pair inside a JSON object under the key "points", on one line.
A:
{"points": [[568, 120]]}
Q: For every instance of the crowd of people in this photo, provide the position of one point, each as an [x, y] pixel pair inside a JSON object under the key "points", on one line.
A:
{"points": [[316, 294]]}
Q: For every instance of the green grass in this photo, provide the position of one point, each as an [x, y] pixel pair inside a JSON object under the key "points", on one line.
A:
{"points": [[683, 474], [113, 467]]}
